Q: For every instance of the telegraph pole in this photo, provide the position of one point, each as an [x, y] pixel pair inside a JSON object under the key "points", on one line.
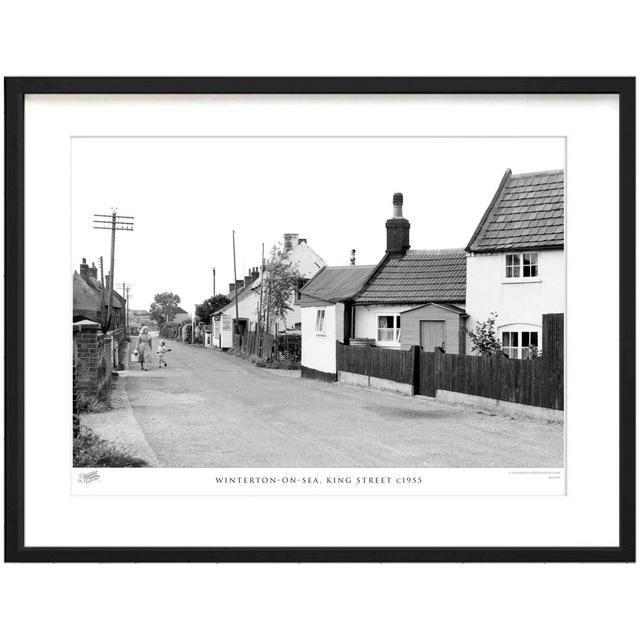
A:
{"points": [[102, 291], [125, 295], [214, 282], [113, 224], [235, 279]]}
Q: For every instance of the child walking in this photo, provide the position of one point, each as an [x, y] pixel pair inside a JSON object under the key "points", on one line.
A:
{"points": [[162, 349]]}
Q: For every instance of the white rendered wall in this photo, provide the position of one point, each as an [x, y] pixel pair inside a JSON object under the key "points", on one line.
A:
{"points": [[516, 303], [319, 351], [367, 320]]}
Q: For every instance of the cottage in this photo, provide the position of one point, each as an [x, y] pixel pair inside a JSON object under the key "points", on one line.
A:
{"points": [[91, 299], [246, 293], [516, 262], [413, 297], [327, 316]]}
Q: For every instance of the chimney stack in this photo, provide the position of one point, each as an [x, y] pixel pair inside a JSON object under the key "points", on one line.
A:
{"points": [[255, 273], [290, 241], [239, 284], [84, 268], [397, 229], [352, 259], [93, 270], [247, 279], [232, 287], [107, 279]]}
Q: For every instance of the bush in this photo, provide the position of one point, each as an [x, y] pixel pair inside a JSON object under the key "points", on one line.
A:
{"points": [[99, 403], [284, 363], [90, 450]]}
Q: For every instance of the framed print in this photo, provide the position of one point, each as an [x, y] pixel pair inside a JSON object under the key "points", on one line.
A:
{"points": [[320, 319]]}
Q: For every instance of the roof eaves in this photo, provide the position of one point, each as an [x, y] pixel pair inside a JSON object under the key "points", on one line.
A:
{"points": [[476, 233]]}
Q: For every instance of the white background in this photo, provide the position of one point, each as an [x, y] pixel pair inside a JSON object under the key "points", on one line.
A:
{"points": [[369, 38], [586, 516]]}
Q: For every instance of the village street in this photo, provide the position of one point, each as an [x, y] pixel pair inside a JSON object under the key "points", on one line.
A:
{"points": [[212, 409]]}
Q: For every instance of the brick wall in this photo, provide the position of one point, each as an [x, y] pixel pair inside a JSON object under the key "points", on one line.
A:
{"points": [[92, 359]]}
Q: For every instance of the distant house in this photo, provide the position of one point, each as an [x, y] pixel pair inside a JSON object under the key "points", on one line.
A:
{"points": [[516, 262], [413, 297], [327, 316], [247, 293], [91, 299], [182, 316]]}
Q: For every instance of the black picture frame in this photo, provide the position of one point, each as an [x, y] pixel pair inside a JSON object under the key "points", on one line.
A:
{"points": [[15, 91]]}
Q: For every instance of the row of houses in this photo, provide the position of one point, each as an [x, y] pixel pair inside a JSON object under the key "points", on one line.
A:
{"points": [[246, 293], [513, 265]]}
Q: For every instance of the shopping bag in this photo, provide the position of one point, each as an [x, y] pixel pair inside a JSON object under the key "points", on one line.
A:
{"points": [[134, 356]]}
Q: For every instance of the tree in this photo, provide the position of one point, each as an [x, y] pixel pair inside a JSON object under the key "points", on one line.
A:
{"points": [[483, 337], [164, 307], [209, 306], [277, 286]]}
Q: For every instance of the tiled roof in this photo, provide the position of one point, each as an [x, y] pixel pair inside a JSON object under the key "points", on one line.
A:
{"points": [[87, 294], [527, 212], [334, 284], [419, 277]]}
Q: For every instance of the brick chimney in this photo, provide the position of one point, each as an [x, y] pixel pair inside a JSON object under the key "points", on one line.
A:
{"points": [[397, 229], [239, 284], [255, 274], [247, 279], [232, 287], [84, 268], [93, 270], [290, 240], [352, 259]]}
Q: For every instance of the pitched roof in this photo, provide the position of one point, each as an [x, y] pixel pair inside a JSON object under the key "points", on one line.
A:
{"points": [[527, 212], [333, 284], [418, 277], [87, 294]]}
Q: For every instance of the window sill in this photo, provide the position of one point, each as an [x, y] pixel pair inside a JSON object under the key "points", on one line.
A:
{"points": [[388, 345], [322, 335], [520, 280]]}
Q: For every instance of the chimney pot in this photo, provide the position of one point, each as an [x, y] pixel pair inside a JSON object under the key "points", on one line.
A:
{"points": [[398, 201], [352, 259], [84, 268]]}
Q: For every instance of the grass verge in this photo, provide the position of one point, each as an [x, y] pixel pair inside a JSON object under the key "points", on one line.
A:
{"points": [[90, 450]]}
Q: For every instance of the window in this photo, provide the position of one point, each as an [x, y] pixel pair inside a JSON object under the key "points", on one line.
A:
{"points": [[520, 344], [320, 321], [389, 328], [521, 265]]}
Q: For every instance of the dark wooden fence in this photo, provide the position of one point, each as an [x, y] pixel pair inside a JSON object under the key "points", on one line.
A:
{"points": [[389, 364], [261, 345], [538, 382]]}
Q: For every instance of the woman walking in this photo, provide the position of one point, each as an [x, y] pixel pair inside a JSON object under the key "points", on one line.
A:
{"points": [[143, 347]]}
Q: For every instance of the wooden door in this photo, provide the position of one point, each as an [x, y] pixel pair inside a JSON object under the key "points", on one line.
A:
{"points": [[431, 334]]}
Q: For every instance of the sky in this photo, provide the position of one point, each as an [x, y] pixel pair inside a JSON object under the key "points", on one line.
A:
{"points": [[187, 195]]}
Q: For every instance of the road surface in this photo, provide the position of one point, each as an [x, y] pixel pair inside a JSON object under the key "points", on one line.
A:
{"points": [[212, 409]]}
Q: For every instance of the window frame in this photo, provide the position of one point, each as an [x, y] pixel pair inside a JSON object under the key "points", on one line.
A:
{"points": [[320, 328], [520, 266], [519, 347], [397, 329]]}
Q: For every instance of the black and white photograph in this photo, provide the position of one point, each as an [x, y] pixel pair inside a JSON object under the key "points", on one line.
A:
{"points": [[318, 302], [359, 317]]}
